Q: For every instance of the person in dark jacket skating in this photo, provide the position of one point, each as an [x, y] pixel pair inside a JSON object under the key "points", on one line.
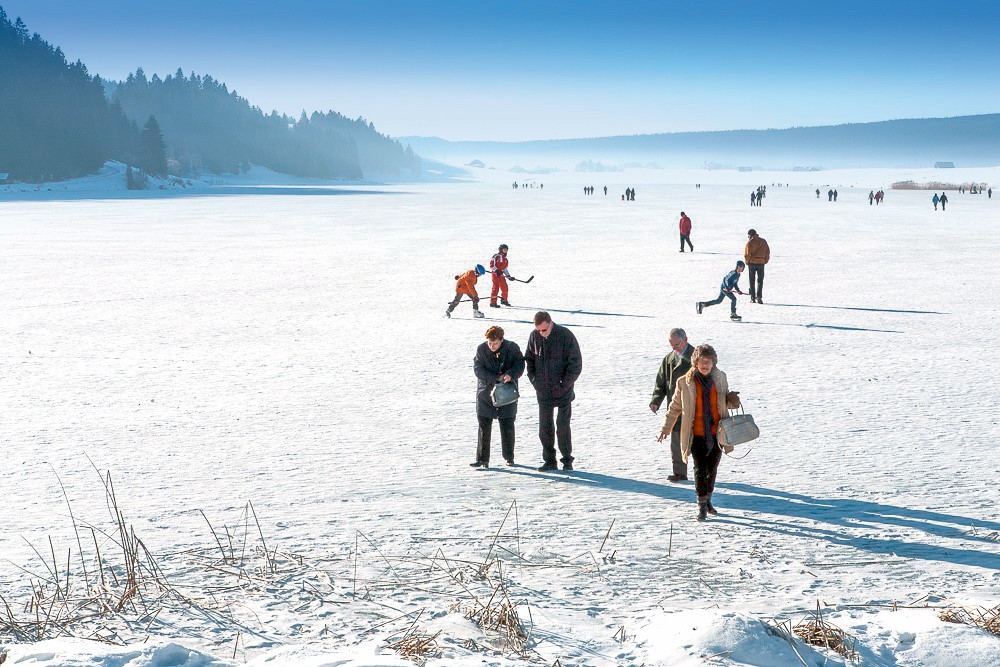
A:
{"points": [[673, 366], [554, 362], [730, 284], [497, 360]]}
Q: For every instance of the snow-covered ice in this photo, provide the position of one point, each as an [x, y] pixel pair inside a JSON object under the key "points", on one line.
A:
{"points": [[289, 350]]}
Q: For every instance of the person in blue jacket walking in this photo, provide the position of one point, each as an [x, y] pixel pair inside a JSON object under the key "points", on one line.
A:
{"points": [[730, 284]]}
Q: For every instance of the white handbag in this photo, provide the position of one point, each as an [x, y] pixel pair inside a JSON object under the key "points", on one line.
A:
{"points": [[737, 429]]}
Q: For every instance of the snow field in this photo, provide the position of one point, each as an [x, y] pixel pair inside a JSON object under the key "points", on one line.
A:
{"points": [[291, 351]]}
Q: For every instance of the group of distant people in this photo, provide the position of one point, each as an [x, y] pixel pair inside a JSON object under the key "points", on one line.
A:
{"points": [[758, 195], [876, 197], [517, 185]]}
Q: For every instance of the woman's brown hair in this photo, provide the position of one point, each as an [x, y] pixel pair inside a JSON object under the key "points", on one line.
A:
{"points": [[494, 333]]}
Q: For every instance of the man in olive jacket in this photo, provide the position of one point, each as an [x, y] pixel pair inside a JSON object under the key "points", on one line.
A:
{"points": [[674, 365], [552, 357]]}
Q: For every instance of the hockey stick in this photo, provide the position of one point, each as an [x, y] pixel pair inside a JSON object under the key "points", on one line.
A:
{"points": [[523, 281]]}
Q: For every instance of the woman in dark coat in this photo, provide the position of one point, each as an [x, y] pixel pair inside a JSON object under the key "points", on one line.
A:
{"points": [[497, 360]]}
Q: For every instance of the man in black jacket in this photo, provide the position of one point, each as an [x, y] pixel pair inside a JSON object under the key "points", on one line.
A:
{"points": [[674, 365], [554, 362]]}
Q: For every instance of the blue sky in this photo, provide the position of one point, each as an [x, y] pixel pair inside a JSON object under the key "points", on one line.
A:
{"points": [[519, 70]]}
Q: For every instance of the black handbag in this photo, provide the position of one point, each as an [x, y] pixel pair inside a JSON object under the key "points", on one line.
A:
{"points": [[504, 393]]}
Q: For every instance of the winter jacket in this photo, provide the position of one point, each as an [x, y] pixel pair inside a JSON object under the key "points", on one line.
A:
{"points": [[757, 251], [685, 225], [488, 367], [731, 282], [498, 265], [672, 368], [682, 405], [466, 283], [553, 364]]}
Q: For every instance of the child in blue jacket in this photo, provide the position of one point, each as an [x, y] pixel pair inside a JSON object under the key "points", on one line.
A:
{"points": [[730, 284]]}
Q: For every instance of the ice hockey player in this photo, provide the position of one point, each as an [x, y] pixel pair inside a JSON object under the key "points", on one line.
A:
{"points": [[465, 285], [498, 267], [730, 284]]}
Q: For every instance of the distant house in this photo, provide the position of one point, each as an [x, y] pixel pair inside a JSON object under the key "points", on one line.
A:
{"points": [[4, 176], [744, 168], [944, 165]]}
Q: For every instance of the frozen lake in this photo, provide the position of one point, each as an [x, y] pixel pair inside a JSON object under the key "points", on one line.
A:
{"points": [[290, 350]]}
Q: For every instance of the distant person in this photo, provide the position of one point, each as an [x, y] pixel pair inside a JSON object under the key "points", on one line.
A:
{"points": [[878, 197], [989, 193], [944, 200], [817, 193], [756, 253], [935, 200], [760, 196], [871, 197], [753, 198], [685, 228], [673, 366], [834, 195], [730, 284], [465, 285], [554, 362], [829, 195], [605, 191], [497, 361]]}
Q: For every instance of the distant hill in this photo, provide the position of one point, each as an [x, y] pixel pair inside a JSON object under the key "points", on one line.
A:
{"points": [[964, 140]]}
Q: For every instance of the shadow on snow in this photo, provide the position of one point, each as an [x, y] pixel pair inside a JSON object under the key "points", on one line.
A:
{"points": [[757, 504]]}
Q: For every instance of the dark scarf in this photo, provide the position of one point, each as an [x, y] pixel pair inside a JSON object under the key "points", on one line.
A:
{"points": [[705, 385]]}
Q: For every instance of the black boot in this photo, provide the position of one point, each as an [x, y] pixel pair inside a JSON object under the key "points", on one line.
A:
{"points": [[709, 507], [702, 508]]}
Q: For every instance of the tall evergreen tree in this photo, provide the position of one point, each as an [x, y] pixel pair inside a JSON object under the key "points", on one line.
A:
{"points": [[152, 149]]}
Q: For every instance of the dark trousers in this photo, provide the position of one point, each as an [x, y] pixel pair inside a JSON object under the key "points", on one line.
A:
{"points": [[486, 435], [706, 455], [458, 299], [548, 430], [722, 295], [756, 281], [680, 468], [686, 237]]}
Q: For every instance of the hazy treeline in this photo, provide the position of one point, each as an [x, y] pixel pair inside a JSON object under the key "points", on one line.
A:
{"points": [[57, 121]]}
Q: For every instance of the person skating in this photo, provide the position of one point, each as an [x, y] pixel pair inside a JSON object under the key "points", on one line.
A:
{"points": [[465, 285], [498, 267], [685, 227], [673, 366], [701, 400], [497, 360], [756, 253], [553, 361], [729, 285]]}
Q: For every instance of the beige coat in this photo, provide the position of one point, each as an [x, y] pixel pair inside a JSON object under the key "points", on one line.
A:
{"points": [[683, 405]]}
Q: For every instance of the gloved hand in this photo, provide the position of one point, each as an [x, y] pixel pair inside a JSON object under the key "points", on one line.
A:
{"points": [[733, 399], [456, 277], [511, 277]]}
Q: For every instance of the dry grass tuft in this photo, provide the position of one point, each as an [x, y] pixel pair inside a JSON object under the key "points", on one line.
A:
{"points": [[986, 619], [815, 630]]}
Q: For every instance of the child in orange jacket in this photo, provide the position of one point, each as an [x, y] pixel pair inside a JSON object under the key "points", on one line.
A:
{"points": [[465, 285]]}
